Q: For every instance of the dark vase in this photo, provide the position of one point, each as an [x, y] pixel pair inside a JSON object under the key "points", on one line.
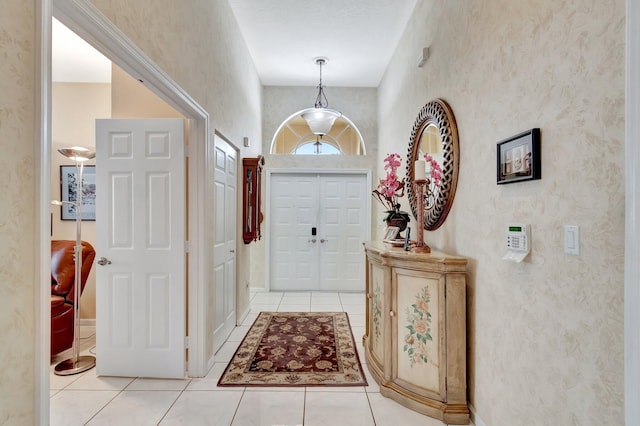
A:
{"points": [[398, 219]]}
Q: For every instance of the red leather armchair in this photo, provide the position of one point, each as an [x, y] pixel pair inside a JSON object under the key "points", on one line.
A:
{"points": [[62, 291]]}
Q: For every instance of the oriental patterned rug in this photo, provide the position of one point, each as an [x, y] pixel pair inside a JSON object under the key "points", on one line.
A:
{"points": [[296, 349]]}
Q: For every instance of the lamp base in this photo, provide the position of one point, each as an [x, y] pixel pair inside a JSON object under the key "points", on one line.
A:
{"points": [[68, 367]]}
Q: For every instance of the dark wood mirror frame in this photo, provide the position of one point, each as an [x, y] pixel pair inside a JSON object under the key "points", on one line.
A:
{"points": [[438, 113]]}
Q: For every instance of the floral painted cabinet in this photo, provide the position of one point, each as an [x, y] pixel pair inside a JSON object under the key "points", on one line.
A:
{"points": [[415, 342]]}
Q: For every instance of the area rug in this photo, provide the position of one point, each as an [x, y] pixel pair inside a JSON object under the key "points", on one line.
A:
{"points": [[296, 349]]}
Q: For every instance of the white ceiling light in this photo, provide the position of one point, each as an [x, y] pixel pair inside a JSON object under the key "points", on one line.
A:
{"points": [[320, 118]]}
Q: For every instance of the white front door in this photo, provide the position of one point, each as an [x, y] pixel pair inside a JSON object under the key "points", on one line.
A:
{"points": [[140, 220], [224, 248], [318, 223]]}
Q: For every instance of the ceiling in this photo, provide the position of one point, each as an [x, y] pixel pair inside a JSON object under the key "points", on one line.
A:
{"points": [[357, 36], [283, 36]]}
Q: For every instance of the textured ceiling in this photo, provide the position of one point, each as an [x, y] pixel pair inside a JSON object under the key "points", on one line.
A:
{"points": [[358, 37]]}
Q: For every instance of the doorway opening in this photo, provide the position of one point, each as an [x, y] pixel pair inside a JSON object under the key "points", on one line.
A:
{"points": [[85, 20]]}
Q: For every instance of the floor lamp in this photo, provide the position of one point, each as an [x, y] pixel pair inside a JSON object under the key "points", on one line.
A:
{"points": [[76, 364]]}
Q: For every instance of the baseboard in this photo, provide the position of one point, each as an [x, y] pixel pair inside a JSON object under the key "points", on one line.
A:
{"points": [[475, 418], [257, 289], [243, 316], [88, 322]]}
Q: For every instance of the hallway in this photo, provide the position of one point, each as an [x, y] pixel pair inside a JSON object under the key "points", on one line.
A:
{"points": [[87, 399]]}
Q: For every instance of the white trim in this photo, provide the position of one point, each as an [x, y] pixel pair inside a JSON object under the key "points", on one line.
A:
{"points": [[267, 224], [475, 418], [85, 20], [87, 322], [42, 245], [632, 216]]}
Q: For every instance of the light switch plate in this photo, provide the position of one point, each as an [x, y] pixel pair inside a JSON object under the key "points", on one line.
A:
{"points": [[572, 239]]}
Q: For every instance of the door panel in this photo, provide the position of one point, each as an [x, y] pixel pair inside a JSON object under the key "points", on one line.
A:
{"points": [[140, 214], [333, 204], [225, 199]]}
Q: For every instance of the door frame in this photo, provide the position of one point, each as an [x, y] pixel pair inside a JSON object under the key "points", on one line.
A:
{"points": [[267, 222], [86, 20], [632, 217]]}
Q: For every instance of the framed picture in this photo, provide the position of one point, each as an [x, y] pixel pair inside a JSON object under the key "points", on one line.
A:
{"points": [[69, 187], [392, 233], [519, 157]]}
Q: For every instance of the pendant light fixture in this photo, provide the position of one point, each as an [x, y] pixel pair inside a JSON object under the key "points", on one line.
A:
{"points": [[320, 118]]}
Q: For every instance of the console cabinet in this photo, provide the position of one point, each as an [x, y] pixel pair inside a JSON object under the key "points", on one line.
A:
{"points": [[415, 339]]}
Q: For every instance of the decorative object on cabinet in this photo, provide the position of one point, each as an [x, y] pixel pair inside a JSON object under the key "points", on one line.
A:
{"points": [[389, 191], [435, 138], [415, 339], [391, 234], [518, 157], [251, 185], [68, 192]]}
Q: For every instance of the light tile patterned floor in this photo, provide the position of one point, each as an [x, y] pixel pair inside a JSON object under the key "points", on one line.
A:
{"points": [[89, 400]]}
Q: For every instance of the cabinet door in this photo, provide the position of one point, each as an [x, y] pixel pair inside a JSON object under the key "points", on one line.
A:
{"points": [[418, 332], [376, 293]]}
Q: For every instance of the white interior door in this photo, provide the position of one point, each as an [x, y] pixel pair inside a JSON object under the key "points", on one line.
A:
{"points": [[140, 214], [224, 249], [334, 208]]}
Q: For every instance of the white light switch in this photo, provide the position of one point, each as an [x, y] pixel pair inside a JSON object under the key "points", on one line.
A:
{"points": [[572, 239]]}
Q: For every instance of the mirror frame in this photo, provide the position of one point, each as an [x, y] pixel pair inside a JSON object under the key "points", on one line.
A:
{"points": [[438, 113]]}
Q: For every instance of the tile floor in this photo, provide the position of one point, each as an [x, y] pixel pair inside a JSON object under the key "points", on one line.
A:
{"points": [[85, 399]]}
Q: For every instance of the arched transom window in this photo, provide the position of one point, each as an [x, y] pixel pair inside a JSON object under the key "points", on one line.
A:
{"points": [[294, 137]]}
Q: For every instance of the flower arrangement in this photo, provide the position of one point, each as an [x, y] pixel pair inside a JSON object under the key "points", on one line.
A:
{"points": [[390, 189]]}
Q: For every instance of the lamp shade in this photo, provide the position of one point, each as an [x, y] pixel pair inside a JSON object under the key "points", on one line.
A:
{"points": [[320, 120], [77, 153]]}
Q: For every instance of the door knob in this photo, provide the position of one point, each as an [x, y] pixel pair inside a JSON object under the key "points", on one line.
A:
{"points": [[104, 261], [232, 251], [313, 240], [323, 240]]}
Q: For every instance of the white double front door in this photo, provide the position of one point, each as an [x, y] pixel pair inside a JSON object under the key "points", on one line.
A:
{"points": [[317, 225]]}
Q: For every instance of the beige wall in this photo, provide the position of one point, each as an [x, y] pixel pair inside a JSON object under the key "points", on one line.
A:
{"points": [[545, 336], [74, 110], [211, 62], [17, 212], [131, 99]]}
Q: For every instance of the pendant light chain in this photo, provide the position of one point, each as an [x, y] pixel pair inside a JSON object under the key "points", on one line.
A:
{"points": [[321, 100]]}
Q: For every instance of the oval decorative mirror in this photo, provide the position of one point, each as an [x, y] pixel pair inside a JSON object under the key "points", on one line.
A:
{"points": [[434, 133]]}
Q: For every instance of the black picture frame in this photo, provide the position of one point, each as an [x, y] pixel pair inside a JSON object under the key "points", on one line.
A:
{"points": [[68, 188], [518, 157]]}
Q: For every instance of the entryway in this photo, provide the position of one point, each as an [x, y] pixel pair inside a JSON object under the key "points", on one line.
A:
{"points": [[317, 223]]}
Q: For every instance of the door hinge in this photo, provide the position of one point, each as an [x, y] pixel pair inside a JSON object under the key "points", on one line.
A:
{"points": [[187, 247], [187, 151], [186, 341]]}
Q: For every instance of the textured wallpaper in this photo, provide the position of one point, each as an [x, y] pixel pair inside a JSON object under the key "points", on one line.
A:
{"points": [[200, 46], [17, 217], [545, 336]]}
